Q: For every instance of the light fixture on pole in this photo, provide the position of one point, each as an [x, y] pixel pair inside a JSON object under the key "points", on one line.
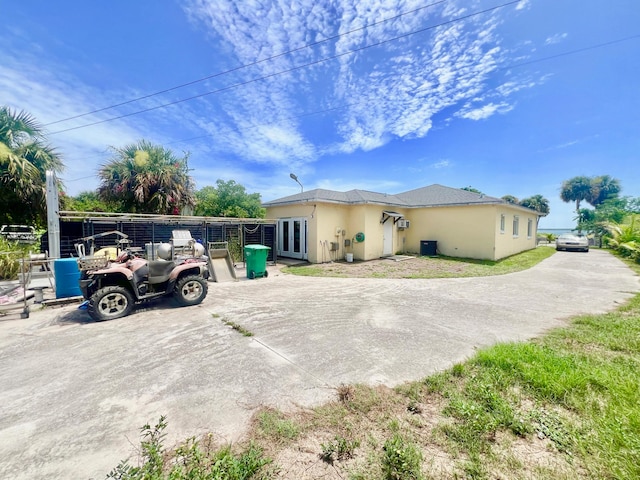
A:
{"points": [[294, 176]]}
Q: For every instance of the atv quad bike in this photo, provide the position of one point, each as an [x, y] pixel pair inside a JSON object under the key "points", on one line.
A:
{"points": [[112, 288]]}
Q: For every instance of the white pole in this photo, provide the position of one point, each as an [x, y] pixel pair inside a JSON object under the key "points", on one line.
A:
{"points": [[53, 217]]}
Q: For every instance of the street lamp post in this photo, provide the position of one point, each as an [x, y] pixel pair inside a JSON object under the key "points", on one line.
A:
{"points": [[294, 177]]}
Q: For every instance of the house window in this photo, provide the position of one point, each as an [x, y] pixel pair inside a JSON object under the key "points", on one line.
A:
{"points": [[502, 223], [529, 228], [516, 225]]}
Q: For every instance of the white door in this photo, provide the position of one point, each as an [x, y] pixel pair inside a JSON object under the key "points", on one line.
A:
{"points": [[387, 239], [292, 237]]}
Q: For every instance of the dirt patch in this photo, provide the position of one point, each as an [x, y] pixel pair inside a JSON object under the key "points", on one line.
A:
{"points": [[414, 267]]}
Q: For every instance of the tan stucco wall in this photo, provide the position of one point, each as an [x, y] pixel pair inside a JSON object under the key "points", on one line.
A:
{"points": [[329, 218], [508, 244], [471, 231], [366, 219], [466, 231], [298, 211], [352, 220]]}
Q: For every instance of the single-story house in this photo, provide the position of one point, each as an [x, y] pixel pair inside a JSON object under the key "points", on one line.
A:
{"points": [[324, 225]]}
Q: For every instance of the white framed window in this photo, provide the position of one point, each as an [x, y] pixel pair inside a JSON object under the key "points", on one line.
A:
{"points": [[502, 222], [529, 228], [516, 225]]}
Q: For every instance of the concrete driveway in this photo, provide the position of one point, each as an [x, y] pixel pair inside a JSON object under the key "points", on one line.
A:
{"points": [[73, 393]]}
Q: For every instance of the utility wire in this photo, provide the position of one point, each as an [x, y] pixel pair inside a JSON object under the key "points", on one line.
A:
{"points": [[242, 67], [299, 67], [346, 105], [572, 52]]}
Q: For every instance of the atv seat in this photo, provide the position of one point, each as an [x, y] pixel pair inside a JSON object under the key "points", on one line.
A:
{"points": [[160, 270]]}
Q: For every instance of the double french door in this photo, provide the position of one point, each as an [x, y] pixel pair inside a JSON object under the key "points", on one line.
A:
{"points": [[292, 237]]}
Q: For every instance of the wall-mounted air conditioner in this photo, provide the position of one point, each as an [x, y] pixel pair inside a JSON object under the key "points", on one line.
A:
{"points": [[403, 223]]}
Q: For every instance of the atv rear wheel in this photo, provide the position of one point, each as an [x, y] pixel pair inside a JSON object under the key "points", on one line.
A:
{"points": [[109, 303], [191, 290]]}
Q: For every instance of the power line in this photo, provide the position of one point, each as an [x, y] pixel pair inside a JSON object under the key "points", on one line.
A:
{"points": [[507, 67], [572, 52], [316, 62], [241, 67]]}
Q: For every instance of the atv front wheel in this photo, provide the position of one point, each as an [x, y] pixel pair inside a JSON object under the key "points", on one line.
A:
{"points": [[191, 290], [109, 303]]}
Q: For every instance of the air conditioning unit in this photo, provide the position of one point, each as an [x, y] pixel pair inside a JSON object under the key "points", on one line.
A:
{"points": [[403, 223]]}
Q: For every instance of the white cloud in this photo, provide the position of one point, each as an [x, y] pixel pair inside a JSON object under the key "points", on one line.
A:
{"points": [[557, 38], [388, 92], [441, 164], [485, 111], [523, 4]]}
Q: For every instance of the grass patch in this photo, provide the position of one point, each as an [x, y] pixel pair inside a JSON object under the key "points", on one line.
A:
{"points": [[402, 459], [311, 271], [339, 448], [276, 426], [193, 459]]}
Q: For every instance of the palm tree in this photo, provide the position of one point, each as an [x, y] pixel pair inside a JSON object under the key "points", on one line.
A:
{"points": [[147, 178], [603, 188], [625, 237], [537, 203], [24, 161], [576, 190]]}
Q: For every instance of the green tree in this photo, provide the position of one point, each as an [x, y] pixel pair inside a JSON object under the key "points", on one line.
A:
{"points": [[603, 188], [538, 203], [146, 178], [88, 201], [577, 189], [228, 199], [510, 199], [25, 158], [632, 205]]}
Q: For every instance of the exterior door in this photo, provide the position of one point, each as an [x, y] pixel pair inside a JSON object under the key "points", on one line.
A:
{"points": [[292, 238], [387, 240]]}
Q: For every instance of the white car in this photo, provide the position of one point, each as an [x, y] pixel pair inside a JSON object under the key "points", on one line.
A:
{"points": [[569, 241], [19, 233]]}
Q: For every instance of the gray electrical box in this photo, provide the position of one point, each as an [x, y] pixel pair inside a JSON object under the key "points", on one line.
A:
{"points": [[347, 242], [335, 246]]}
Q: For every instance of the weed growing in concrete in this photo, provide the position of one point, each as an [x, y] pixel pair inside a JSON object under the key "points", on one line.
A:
{"points": [[238, 328]]}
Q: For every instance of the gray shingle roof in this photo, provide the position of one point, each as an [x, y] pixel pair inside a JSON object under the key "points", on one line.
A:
{"points": [[352, 197], [437, 195], [431, 196]]}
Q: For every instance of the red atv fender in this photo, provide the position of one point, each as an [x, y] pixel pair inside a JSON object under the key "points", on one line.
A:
{"points": [[112, 268], [188, 265]]}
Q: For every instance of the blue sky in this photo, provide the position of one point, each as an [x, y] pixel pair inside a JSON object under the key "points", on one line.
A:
{"points": [[392, 95]]}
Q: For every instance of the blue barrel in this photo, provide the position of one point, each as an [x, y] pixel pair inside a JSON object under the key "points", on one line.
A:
{"points": [[67, 275]]}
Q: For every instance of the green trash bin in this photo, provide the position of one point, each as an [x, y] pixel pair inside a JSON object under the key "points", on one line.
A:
{"points": [[255, 257]]}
